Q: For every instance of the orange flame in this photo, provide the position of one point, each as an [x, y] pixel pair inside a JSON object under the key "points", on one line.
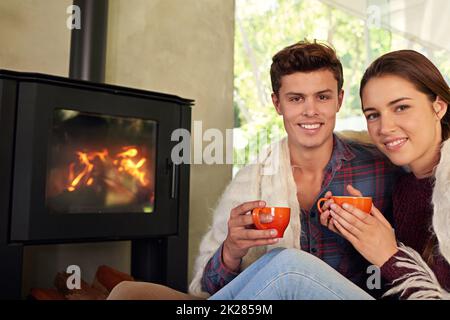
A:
{"points": [[130, 166], [123, 162]]}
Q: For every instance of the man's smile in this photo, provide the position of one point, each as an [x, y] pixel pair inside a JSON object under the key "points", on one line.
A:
{"points": [[310, 127]]}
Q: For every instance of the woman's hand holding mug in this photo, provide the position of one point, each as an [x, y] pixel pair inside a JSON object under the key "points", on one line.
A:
{"points": [[367, 230]]}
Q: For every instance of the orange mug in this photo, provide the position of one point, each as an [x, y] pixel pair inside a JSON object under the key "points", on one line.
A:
{"points": [[362, 203], [280, 219]]}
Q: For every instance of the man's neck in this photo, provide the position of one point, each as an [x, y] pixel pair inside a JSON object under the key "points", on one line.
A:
{"points": [[310, 160]]}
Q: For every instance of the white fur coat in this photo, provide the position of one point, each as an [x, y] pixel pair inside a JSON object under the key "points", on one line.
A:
{"points": [[422, 276], [269, 179]]}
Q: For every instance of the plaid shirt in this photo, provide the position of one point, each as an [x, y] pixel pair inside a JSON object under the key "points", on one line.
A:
{"points": [[360, 165]]}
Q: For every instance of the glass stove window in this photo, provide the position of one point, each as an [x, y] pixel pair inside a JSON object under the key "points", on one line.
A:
{"points": [[100, 164]]}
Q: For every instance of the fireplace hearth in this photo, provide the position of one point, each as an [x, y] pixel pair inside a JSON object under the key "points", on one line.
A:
{"points": [[83, 162]]}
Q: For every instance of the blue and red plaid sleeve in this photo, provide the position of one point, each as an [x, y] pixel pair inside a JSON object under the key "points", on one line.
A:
{"points": [[216, 275]]}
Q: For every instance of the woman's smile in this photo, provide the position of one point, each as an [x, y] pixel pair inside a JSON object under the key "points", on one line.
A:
{"points": [[395, 144]]}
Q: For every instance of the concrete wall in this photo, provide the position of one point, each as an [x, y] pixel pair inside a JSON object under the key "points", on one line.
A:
{"points": [[34, 36], [183, 47]]}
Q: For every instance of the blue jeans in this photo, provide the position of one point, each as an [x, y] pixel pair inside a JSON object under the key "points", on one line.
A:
{"points": [[290, 274]]}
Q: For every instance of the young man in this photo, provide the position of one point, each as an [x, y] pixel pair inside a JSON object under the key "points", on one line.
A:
{"points": [[307, 82]]}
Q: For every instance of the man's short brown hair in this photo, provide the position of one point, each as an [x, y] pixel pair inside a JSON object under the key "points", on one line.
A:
{"points": [[305, 56]]}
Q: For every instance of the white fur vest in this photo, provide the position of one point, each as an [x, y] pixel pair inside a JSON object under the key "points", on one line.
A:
{"points": [[269, 179]]}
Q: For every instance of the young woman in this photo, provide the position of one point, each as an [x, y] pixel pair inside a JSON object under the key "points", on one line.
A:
{"points": [[405, 101]]}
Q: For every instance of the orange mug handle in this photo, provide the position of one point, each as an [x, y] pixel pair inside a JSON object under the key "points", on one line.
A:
{"points": [[319, 204], [256, 221]]}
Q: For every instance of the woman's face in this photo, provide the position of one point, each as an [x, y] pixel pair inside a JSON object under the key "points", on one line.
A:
{"points": [[402, 121]]}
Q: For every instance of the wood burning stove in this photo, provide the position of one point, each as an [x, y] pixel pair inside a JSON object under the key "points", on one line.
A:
{"points": [[81, 161]]}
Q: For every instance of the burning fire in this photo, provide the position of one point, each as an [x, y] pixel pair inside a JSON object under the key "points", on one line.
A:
{"points": [[127, 161]]}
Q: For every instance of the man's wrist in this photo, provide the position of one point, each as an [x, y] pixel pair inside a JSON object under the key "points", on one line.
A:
{"points": [[228, 261]]}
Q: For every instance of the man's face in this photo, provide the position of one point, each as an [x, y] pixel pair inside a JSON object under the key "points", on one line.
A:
{"points": [[308, 103]]}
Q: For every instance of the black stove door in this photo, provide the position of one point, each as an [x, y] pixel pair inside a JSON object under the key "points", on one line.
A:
{"points": [[93, 165]]}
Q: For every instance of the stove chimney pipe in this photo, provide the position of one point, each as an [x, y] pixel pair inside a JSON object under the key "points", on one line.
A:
{"points": [[88, 44]]}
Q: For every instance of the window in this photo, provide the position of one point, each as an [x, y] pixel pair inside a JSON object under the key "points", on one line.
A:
{"points": [[264, 27]]}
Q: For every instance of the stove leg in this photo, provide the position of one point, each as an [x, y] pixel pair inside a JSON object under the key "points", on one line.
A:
{"points": [[162, 261], [11, 257]]}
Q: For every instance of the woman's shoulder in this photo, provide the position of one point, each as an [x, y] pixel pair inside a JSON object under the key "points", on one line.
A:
{"points": [[409, 183]]}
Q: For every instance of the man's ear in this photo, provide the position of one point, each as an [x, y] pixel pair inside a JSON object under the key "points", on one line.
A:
{"points": [[440, 107], [276, 103], [340, 99]]}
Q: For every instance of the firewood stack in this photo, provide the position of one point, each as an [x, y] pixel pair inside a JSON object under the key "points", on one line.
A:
{"points": [[106, 278]]}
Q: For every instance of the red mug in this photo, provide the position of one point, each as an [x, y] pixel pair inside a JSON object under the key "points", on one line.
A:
{"points": [[280, 219], [362, 203]]}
